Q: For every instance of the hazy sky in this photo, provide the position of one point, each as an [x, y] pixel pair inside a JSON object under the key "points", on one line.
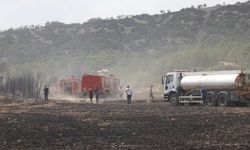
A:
{"points": [[15, 13]]}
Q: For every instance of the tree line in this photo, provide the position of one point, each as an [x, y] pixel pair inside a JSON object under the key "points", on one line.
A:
{"points": [[25, 85]]}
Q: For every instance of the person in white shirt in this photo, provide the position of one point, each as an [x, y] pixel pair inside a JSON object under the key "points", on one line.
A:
{"points": [[129, 93], [121, 92]]}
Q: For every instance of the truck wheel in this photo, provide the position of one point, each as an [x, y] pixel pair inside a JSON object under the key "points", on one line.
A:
{"points": [[174, 100], [210, 99], [223, 100]]}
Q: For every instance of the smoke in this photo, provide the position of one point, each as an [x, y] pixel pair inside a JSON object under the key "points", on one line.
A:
{"points": [[71, 98], [138, 70]]}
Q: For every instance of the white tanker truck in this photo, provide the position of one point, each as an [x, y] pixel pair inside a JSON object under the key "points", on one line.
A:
{"points": [[223, 87]]}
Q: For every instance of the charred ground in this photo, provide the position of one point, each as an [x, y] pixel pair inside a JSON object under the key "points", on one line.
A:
{"points": [[114, 125]]}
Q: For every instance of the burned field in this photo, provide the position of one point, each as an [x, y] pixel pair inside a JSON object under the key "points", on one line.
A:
{"points": [[114, 125]]}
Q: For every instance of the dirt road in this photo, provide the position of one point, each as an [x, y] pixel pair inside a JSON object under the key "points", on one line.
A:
{"points": [[114, 125]]}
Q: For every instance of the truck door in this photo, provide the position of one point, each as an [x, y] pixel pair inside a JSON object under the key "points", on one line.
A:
{"points": [[170, 83]]}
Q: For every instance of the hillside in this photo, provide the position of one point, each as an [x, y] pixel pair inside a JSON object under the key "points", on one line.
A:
{"points": [[137, 48]]}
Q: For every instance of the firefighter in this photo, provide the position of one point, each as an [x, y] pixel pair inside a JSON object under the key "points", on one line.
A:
{"points": [[97, 95], [46, 93], [129, 93], [91, 93], [203, 93]]}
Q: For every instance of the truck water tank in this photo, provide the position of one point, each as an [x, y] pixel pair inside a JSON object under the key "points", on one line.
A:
{"points": [[210, 82]]}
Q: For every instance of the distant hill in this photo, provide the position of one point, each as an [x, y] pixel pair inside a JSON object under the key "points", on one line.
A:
{"points": [[145, 45]]}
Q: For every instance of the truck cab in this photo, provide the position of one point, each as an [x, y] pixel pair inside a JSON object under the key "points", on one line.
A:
{"points": [[171, 84]]}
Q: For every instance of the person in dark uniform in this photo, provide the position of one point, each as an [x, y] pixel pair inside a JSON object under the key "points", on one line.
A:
{"points": [[46, 93], [151, 96], [91, 93], [97, 95], [203, 95]]}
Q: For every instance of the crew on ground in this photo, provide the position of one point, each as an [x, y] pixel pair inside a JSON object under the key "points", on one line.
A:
{"points": [[46, 93], [91, 94], [129, 93], [121, 92], [151, 96], [203, 93], [97, 95]]}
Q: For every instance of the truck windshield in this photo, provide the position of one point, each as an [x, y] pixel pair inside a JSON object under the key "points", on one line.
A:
{"points": [[170, 78]]}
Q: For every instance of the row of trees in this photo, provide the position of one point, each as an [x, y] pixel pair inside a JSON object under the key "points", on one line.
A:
{"points": [[26, 85]]}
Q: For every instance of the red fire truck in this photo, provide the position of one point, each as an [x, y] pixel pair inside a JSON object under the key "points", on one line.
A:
{"points": [[70, 85], [107, 85]]}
